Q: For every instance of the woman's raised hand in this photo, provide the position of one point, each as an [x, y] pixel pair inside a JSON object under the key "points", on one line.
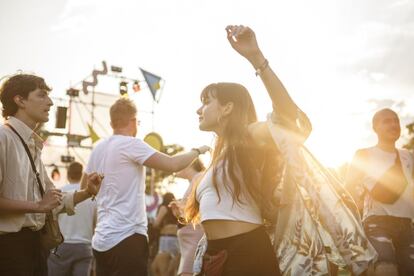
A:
{"points": [[243, 40]]}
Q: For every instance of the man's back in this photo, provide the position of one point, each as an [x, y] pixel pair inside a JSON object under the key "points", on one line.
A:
{"points": [[79, 227], [121, 204]]}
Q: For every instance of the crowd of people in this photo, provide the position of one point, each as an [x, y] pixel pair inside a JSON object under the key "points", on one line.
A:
{"points": [[263, 206]]}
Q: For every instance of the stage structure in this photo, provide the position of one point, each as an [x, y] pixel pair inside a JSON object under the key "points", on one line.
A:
{"points": [[82, 117]]}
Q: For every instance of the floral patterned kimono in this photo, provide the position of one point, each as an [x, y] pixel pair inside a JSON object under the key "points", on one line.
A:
{"points": [[317, 219]]}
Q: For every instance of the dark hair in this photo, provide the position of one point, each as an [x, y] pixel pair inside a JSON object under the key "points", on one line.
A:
{"points": [[21, 84], [256, 169], [167, 198], [169, 218], [75, 171]]}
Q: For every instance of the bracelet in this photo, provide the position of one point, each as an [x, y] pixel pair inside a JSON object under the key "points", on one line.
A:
{"points": [[197, 150], [262, 67], [92, 196]]}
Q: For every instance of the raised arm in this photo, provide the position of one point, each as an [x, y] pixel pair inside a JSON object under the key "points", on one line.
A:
{"points": [[243, 40]]}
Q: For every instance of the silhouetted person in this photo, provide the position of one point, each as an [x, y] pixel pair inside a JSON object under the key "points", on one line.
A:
{"points": [[380, 180]]}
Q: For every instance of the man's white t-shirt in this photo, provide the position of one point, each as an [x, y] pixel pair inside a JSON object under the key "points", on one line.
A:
{"points": [[121, 199], [79, 227], [378, 162]]}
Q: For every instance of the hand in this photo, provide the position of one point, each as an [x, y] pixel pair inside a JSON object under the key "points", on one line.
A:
{"points": [[243, 40], [176, 208], [94, 183], [51, 199]]}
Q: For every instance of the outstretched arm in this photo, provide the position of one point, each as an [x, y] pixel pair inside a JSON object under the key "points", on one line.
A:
{"points": [[243, 40], [178, 162]]}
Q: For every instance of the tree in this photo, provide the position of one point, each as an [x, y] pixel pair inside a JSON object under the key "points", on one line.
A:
{"points": [[410, 143]]}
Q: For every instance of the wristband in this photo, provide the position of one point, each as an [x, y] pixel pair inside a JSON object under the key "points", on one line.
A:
{"points": [[262, 67], [92, 196], [197, 150]]}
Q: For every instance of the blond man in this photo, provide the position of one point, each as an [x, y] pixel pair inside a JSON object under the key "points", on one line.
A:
{"points": [[120, 241]]}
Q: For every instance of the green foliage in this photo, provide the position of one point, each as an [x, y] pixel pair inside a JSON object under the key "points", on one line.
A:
{"points": [[410, 143]]}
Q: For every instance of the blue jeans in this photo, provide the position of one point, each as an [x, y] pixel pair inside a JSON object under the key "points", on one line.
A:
{"points": [[21, 254], [393, 239]]}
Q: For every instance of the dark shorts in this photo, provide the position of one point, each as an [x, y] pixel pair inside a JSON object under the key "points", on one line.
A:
{"points": [[22, 255], [393, 239], [250, 253], [129, 257]]}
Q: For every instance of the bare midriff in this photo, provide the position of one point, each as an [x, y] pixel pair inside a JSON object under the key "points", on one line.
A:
{"points": [[220, 229], [169, 229]]}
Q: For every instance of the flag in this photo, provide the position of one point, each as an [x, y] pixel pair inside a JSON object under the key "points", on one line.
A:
{"points": [[153, 82], [93, 134]]}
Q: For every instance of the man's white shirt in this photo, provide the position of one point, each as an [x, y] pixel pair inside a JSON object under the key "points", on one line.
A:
{"points": [[377, 163], [79, 227], [121, 199]]}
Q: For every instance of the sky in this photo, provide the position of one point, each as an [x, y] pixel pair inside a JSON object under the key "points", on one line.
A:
{"points": [[341, 60]]}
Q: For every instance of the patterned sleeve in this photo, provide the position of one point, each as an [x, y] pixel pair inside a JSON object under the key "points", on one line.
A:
{"points": [[316, 224], [300, 125], [289, 134]]}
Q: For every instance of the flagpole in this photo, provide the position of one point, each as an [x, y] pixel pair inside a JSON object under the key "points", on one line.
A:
{"points": [[153, 115], [153, 82], [69, 124], [93, 106]]}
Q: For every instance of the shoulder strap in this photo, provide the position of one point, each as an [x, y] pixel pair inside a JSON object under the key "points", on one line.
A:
{"points": [[42, 192], [399, 164]]}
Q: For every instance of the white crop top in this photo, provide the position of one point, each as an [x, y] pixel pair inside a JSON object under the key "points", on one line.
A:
{"points": [[225, 209]]}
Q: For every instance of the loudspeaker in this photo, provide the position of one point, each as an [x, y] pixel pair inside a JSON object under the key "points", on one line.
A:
{"points": [[61, 117]]}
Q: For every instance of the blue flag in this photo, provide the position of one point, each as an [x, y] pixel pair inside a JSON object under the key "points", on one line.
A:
{"points": [[153, 82]]}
